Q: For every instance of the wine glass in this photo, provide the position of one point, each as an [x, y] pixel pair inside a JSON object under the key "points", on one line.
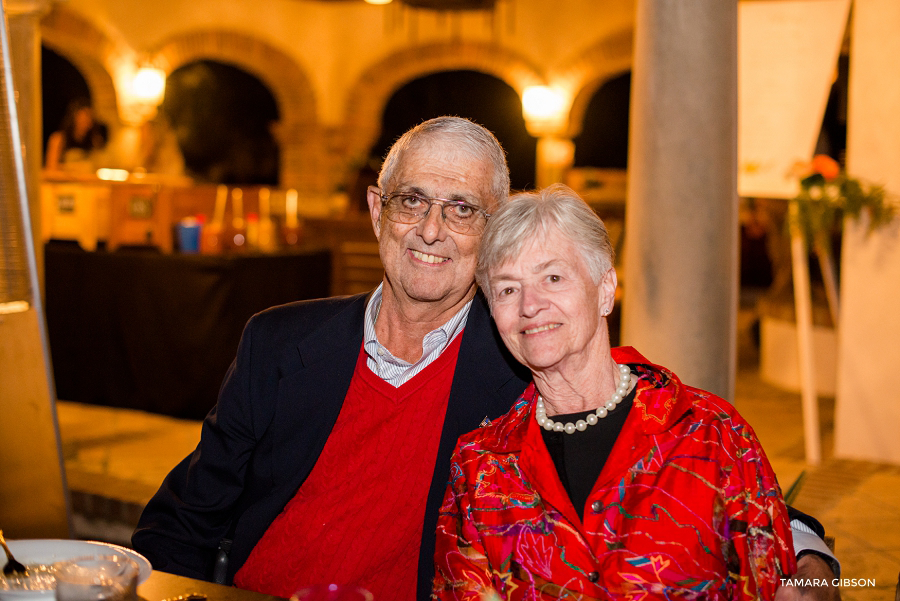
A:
{"points": [[332, 592], [97, 578]]}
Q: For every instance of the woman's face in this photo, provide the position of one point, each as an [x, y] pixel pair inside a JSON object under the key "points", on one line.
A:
{"points": [[548, 309], [84, 120]]}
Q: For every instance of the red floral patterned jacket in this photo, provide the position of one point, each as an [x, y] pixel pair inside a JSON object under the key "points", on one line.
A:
{"points": [[686, 507]]}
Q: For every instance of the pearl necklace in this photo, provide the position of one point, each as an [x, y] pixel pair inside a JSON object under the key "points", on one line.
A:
{"points": [[540, 412]]}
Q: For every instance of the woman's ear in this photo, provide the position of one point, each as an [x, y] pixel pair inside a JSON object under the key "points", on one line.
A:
{"points": [[608, 285]]}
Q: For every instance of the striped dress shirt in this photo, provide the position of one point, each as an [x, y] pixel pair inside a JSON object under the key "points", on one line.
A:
{"points": [[396, 371]]}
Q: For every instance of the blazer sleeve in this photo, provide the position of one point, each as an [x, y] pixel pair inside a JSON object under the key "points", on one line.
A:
{"points": [[180, 529]]}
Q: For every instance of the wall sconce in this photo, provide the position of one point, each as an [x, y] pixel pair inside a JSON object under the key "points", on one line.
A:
{"points": [[541, 102], [544, 109], [142, 92], [149, 85]]}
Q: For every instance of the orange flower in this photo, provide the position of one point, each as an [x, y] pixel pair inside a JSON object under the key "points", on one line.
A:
{"points": [[826, 166]]}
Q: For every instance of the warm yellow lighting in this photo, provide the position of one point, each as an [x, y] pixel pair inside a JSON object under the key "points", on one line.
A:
{"points": [[542, 102], [112, 175], [149, 85], [14, 307], [378, 1]]}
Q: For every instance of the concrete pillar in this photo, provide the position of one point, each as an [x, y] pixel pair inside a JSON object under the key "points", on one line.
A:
{"points": [[866, 411], [680, 281], [555, 156]]}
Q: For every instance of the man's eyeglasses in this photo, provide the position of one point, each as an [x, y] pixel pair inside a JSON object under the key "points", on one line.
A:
{"points": [[409, 207]]}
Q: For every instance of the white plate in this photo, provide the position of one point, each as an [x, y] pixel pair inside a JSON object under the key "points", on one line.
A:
{"points": [[47, 551]]}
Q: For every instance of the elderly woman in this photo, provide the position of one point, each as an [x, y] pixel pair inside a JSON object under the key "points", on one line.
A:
{"points": [[609, 478]]}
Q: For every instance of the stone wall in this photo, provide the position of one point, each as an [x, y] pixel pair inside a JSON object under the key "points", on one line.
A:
{"points": [[333, 67]]}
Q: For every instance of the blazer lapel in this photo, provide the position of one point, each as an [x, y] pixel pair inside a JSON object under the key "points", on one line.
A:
{"points": [[488, 379], [310, 399]]}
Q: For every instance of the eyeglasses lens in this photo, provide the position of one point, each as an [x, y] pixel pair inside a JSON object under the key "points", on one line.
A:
{"points": [[460, 217]]}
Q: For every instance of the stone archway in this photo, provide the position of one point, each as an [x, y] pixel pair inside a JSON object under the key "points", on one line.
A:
{"points": [[368, 97], [608, 58], [300, 136], [91, 52]]}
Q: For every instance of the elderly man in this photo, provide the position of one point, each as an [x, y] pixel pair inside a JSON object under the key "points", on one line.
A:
{"points": [[326, 457]]}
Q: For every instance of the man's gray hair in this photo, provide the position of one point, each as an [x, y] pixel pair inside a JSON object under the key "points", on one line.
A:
{"points": [[530, 215], [472, 138]]}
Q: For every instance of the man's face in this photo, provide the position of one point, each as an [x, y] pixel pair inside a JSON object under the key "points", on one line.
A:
{"points": [[426, 262]]}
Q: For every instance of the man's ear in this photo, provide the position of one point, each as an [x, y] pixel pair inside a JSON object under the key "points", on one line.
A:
{"points": [[373, 197]]}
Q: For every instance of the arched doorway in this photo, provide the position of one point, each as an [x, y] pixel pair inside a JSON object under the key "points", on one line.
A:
{"points": [[485, 99], [601, 157], [224, 119], [61, 83], [603, 141]]}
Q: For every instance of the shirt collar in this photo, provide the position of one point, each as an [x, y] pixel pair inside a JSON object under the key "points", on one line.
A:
{"points": [[439, 337]]}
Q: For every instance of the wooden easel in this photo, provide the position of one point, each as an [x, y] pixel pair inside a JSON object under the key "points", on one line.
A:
{"points": [[803, 311]]}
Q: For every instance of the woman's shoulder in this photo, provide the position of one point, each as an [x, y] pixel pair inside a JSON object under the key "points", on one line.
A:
{"points": [[504, 435], [712, 411], [712, 406]]}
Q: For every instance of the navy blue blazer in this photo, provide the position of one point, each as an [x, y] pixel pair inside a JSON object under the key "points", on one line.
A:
{"points": [[276, 408]]}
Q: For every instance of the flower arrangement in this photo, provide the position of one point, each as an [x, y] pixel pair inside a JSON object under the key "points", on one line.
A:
{"points": [[827, 194]]}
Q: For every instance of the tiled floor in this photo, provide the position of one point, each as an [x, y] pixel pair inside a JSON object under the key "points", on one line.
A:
{"points": [[116, 458], [858, 502]]}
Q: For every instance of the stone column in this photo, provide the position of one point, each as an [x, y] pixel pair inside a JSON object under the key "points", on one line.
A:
{"points": [[680, 280], [24, 18], [555, 156]]}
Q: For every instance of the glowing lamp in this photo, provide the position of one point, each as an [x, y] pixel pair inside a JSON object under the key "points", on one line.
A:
{"points": [[542, 102], [112, 175], [149, 85], [378, 1]]}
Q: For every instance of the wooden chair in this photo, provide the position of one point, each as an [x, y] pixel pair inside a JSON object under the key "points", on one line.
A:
{"points": [[357, 268]]}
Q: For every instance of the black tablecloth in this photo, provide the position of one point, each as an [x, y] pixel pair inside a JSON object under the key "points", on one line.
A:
{"points": [[157, 332]]}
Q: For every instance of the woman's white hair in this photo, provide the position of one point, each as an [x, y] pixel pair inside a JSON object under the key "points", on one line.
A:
{"points": [[530, 215], [472, 138]]}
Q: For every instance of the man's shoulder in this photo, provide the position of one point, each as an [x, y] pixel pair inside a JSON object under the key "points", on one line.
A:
{"points": [[297, 317]]}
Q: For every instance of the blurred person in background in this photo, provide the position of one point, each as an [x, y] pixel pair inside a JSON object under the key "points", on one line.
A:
{"points": [[160, 151], [72, 147]]}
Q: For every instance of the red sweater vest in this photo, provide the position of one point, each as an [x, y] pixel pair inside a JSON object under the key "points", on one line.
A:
{"points": [[357, 519]]}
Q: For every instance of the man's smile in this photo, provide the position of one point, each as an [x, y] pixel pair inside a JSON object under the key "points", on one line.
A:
{"points": [[426, 258]]}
